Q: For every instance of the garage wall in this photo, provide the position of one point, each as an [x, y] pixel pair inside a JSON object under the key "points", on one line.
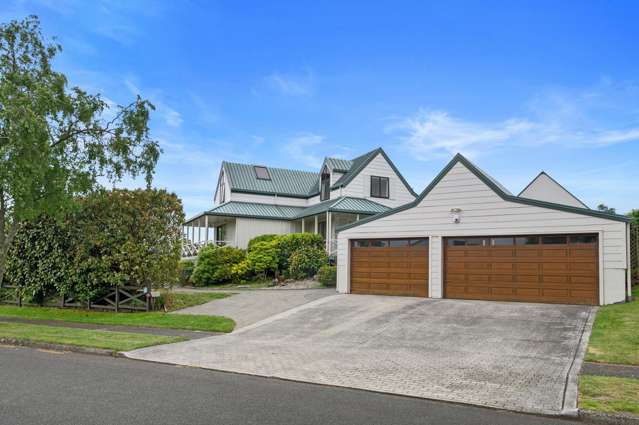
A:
{"points": [[484, 213]]}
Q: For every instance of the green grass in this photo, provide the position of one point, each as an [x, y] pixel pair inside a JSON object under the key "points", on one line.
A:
{"points": [[153, 319], [117, 341], [615, 334], [609, 394], [180, 300]]}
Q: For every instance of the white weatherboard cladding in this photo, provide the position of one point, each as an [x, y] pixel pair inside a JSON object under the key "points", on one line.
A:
{"points": [[268, 199], [484, 213], [335, 175], [248, 228], [227, 191], [543, 188], [360, 186]]}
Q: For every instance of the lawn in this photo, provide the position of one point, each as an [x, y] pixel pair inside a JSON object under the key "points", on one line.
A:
{"points": [[609, 394], [180, 300], [153, 319], [117, 341], [615, 334]]}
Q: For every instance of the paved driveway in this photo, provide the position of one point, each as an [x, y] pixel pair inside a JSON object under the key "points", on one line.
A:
{"points": [[507, 355], [250, 306]]}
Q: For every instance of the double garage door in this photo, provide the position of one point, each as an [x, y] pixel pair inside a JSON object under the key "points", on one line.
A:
{"points": [[539, 268]]}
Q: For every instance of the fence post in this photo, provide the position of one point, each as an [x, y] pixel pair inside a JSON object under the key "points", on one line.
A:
{"points": [[117, 299]]}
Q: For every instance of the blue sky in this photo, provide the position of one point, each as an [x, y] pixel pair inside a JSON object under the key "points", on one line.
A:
{"points": [[516, 86]]}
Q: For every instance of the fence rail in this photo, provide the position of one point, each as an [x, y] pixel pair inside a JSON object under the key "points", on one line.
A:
{"points": [[122, 298]]}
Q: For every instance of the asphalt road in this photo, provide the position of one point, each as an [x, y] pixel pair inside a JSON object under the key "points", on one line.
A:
{"points": [[38, 387]]}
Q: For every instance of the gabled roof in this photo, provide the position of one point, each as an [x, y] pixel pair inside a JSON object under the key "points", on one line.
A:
{"points": [[565, 191], [283, 182], [338, 164], [297, 183], [344, 204], [359, 163], [497, 188]]}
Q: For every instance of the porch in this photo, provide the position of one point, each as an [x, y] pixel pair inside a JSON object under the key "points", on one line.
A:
{"points": [[236, 223]]}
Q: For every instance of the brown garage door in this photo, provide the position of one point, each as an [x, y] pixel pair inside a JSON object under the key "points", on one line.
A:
{"points": [[390, 267], [551, 268]]}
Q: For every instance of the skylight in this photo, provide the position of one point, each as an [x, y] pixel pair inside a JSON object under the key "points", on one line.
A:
{"points": [[262, 173]]}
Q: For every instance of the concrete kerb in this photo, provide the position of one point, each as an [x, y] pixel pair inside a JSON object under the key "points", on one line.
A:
{"points": [[571, 391]]}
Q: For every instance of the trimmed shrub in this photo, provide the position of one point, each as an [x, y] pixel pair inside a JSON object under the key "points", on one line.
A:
{"points": [[263, 258], [240, 271], [292, 242], [327, 275], [306, 261], [261, 238], [40, 263], [186, 268], [214, 265]]}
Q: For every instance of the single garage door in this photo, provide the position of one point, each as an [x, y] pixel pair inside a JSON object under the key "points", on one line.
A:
{"points": [[541, 268], [390, 267]]}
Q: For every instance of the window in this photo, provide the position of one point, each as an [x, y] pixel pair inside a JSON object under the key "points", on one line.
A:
{"points": [[501, 241], [467, 242], [262, 173], [419, 242], [220, 233], [554, 240], [325, 185], [583, 239], [222, 188], [361, 244], [379, 243], [527, 240], [398, 243], [379, 187]]}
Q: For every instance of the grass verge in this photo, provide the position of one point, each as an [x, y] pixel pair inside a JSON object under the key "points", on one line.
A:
{"points": [[609, 394], [117, 341], [180, 300], [153, 319], [614, 337]]}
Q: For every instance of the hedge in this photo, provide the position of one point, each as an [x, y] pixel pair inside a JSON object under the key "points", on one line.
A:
{"points": [[111, 238]]}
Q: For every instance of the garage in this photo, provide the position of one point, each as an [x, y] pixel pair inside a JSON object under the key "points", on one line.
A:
{"points": [[389, 267], [537, 268]]}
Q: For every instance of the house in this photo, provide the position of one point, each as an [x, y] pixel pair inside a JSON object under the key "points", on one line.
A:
{"points": [[252, 200], [467, 237]]}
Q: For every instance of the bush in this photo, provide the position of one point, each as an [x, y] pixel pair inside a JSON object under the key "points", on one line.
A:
{"points": [[261, 238], [214, 265], [327, 275], [292, 242], [39, 263], [240, 271], [185, 268], [306, 261], [263, 258], [110, 238]]}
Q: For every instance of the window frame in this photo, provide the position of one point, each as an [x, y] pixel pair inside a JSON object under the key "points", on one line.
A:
{"points": [[380, 179], [222, 189], [261, 167]]}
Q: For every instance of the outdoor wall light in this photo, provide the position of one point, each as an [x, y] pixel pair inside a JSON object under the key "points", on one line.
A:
{"points": [[455, 213]]}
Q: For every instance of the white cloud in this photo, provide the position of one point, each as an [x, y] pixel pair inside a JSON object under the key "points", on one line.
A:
{"points": [[601, 116], [172, 118], [292, 84], [300, 148]]}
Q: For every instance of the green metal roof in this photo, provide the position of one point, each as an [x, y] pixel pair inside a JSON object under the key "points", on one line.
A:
{"points": [[345, 204], [252, 210], [284, 182], [497, 188], [338, 164]]}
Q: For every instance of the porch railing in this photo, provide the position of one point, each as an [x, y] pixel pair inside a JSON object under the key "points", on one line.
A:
{"points": [[191, 249]]}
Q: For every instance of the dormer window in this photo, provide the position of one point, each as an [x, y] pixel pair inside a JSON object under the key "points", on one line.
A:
{"points": [[262, 173], [325, 185]]}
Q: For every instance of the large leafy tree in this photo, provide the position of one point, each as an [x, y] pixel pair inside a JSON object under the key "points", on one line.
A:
{"points": [[56, 141]]}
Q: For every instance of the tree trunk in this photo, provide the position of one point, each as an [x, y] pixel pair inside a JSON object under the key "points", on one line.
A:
{"points": [[6, 237]]}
